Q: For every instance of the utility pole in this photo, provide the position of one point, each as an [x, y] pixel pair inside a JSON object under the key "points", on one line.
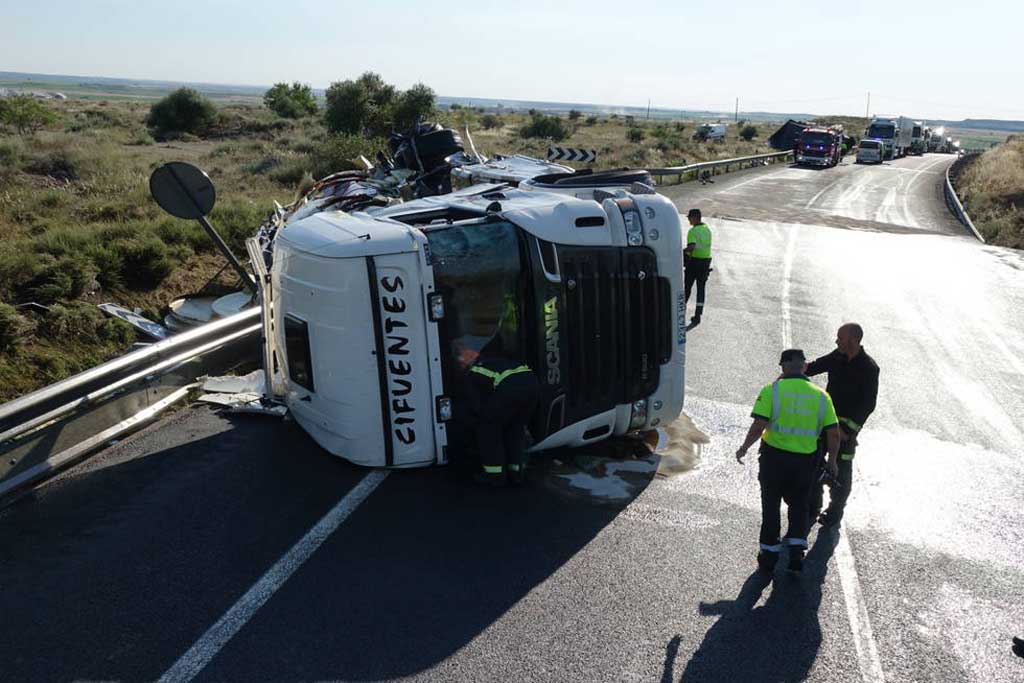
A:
{"points": [[867, 111], [648, 108], [737, 117]]}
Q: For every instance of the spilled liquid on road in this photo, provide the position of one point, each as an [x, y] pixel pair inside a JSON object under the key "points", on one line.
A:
{"points": [[619, 469]]}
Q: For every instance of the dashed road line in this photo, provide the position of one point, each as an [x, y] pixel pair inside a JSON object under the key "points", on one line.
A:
{"points": [[218, 635], [863, 637]]}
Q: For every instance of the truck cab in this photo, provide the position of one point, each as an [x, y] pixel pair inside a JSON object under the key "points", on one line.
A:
{"points": [[819, 147], [375, 317], [887, 131]]}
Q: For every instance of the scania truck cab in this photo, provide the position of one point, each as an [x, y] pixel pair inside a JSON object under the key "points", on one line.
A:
{"points": [[373, 318]]}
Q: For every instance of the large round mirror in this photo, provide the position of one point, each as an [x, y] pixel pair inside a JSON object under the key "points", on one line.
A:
{"points": [[182, 190]]}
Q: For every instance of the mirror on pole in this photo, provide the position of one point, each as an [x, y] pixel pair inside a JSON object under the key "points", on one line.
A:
{"points": [[182, 190]]}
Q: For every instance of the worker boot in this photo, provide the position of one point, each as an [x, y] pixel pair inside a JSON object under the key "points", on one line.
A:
{"points": [[796, 559], [766, 560], [516, 475], [1018, 646]]}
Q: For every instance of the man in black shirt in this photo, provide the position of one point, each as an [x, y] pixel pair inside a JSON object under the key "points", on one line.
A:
{"points": [[853, 386]]}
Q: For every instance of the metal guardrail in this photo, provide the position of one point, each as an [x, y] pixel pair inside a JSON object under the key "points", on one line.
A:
{"points": [[953, 202], [740, 162], [54, 427]]}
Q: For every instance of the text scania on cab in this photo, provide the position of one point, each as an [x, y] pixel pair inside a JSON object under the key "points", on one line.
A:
{"points": [[373, 319]]}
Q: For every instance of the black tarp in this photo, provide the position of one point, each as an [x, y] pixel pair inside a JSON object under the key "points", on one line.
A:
{"points": [[784, 139]]}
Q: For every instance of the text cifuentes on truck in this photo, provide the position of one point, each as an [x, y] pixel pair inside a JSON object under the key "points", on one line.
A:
{"points": [[373, 318]]}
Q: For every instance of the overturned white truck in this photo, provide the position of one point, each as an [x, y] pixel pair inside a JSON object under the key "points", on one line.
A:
{"points": [[373, 317]]}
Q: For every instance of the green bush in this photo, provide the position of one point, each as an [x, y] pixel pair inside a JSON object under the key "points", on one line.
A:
{"points": [[364, 103], [84, 322], [25, 114], [146, 261], [290, 101], [489, 121], [10, 153], [575, 114], [13, 328], [56, 279], [591, 120], [236, 221], [748, 133], [635, 134], [412, 106], [548, 127], [183, 111], [338, 152], [63, 163]]}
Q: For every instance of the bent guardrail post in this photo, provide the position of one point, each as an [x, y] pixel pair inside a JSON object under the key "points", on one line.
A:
{"points": [[58, 425]]}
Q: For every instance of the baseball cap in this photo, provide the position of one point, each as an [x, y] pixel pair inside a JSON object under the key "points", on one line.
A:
{"points": [[790, 355]]}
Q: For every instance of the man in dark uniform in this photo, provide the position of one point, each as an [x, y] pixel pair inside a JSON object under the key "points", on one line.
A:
{"points": [[508, 392], [853, 386]]}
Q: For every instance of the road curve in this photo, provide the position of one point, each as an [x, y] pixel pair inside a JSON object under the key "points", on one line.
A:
{"points": [[119, 567]]}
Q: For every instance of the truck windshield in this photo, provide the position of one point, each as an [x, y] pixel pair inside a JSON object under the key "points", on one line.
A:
{"points": [[868, 144], [816, 139], [878, 130], [478, 270]]}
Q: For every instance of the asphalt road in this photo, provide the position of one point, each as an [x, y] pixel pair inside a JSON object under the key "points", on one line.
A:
{"points": [[163, 554]]}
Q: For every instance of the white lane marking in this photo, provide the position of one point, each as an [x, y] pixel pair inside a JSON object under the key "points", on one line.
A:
{"points": [[218, 635], [787, 272], [856, 609]]}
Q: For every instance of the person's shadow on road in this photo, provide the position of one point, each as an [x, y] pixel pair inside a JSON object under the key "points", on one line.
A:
{"points": [[777, 641]]}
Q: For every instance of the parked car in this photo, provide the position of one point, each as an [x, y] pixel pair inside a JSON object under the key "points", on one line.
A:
{"points": [[871, 150]]}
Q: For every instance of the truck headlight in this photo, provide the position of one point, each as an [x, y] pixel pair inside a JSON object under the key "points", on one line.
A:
{"points": [[635, 240], [435, 307], [638, 414]]}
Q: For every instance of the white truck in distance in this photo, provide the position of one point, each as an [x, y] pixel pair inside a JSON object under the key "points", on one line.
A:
{"points": [[372, 319], [896, 134]]}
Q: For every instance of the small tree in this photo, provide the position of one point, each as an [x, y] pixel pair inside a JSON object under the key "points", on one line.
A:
{"points": [[25, 114], [748, 133], [184, 110], [413, 105], [290, 101], [575, 114], [635, 135], [489, 121], [348, 107], [591, 120]]}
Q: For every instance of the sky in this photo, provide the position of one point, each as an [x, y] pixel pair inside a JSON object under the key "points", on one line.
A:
{"points": [[939, 60]]}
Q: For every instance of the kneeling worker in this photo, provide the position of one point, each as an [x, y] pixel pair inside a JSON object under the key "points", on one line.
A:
{"points": [[789, 415], [508, 392]]}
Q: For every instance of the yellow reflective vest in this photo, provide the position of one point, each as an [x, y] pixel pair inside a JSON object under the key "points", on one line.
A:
{"points": [[700, 236], [797, 411]]}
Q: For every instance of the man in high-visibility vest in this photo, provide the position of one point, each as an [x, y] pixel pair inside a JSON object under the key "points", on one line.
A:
{"points": [[508, 392], [789, 415], [697, 260]]}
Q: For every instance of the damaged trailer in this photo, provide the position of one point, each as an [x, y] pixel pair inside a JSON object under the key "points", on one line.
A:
{"points": [[373, 317]]}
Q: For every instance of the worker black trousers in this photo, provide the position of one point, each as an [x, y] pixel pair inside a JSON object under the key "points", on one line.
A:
{"points": [[501, 430], [837, 495], [696, 270], [784, 476]]}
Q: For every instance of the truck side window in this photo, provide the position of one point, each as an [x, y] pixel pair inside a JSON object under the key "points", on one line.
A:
{"points": [[300, 362]]}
